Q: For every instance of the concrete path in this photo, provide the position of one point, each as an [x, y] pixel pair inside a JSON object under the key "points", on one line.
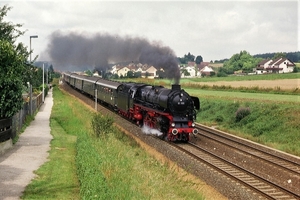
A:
{"points": [[27, 155]]}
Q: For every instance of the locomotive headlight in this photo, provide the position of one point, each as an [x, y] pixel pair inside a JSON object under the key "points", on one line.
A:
{"points": [[173, 124], [174, 131], [193, 124]]}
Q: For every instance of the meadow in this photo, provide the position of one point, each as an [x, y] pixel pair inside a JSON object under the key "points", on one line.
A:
{"points": [[228, 78], [264, 83], [267, 122]]}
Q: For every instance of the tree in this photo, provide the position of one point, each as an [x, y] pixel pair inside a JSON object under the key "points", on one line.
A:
{"points": [[185, 72], [88, 72], [279, 55], [138, 74], [10, 80], [240, 61], [14, 72], [187, 58], [130, 74], [199, 59]]}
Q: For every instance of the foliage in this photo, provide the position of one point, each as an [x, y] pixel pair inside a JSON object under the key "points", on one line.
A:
{"points": [[187, 58], [130, 74], [221, 61], [296, 69], [241, 113], [199, 59], [10, 79], [221, 73], [185, 72], [101, 125], [279, 55], [9, 31], [37, 73], [88, 72], [292, 56], [240, 61], [14, 72]]}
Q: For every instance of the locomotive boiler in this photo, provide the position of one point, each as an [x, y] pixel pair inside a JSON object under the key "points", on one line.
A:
{"points": [[171, 111]]}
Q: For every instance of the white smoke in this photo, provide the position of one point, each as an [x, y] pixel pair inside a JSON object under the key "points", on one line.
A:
{"points": [[151, 131]]}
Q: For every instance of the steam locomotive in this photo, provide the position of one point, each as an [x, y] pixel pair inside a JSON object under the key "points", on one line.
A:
{"points": [[171, 112]]}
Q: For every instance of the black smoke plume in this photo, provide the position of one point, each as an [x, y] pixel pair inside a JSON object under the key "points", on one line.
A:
{"points": [[74, 51]]}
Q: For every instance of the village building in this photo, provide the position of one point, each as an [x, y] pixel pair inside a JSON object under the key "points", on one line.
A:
{"points": [[204, 69], [279, 65], [192, 70], [146, 71]]}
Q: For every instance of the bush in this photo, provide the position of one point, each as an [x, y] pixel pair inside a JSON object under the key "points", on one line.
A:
{"points": [[101, 125], [219, 118], [241, 113]]}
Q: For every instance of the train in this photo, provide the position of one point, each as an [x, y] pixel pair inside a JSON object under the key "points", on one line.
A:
{"points": [[171, 112]]}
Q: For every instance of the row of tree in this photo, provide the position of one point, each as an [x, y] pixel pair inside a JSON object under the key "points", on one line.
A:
{"points": [[190, 58], [292, 56]]}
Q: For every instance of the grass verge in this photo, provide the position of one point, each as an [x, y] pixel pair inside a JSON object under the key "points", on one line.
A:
{"points": [[85, 166], [273, 124], [56, 179]]}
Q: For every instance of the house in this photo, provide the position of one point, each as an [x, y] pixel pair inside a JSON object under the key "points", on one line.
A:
{"points": [[145, 70], [149, 72], [207, 71], [122, 71], [202, 65], [204, 69], [96, 73], [279, 65], [188, 72]]}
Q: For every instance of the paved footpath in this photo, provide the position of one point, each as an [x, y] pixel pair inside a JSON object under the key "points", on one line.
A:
{"points": [[27, 155]]}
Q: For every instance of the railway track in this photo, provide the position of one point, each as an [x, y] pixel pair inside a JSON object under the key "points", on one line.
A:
{"points": [[259, 185], [272, 174], [274, 157]]}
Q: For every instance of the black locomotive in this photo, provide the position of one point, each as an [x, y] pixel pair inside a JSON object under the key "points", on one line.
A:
{"points": [[171, 112]]}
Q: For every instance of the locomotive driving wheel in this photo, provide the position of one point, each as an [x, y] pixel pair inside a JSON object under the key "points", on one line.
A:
{"points": [[148, 121]]}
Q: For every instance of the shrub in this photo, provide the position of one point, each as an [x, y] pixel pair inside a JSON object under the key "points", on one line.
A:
{"points": [[219, 118], [241, 113], [101, 125]]}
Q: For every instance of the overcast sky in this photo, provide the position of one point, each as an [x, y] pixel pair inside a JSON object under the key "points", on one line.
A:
{"points": [[213, 29]]}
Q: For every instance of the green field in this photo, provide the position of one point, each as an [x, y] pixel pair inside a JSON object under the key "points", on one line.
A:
{"points": [[233, 95], [271, 119], [214, 79], [244, 78]]}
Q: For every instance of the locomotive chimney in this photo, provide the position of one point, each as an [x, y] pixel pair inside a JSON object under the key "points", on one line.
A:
{"points": [[176, 87]]}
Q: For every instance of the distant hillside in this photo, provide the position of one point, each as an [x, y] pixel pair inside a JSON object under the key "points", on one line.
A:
{"points": [[292, 56]]}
